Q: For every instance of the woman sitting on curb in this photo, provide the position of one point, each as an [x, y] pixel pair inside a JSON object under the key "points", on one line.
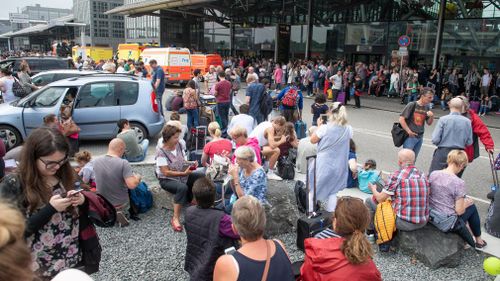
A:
{"points": [[447, 198], [348, 256]]}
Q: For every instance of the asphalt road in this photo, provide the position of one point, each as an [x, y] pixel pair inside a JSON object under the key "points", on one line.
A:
{"points": [[372, 125]]}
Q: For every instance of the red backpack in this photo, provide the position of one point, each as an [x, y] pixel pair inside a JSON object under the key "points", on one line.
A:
{"points": [[290, 97]]}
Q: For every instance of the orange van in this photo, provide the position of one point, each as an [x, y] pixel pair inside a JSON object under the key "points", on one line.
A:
{"points": [[203, 62], [176, 63]]}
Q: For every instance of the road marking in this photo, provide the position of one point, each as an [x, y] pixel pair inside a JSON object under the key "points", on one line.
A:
{"points": [[389, 136]]}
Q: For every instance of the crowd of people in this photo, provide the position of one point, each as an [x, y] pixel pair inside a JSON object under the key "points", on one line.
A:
{"points": [[225, 221]]}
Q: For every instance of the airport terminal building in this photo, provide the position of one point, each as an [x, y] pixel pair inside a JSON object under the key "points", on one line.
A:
{"points": [[357, 30]]}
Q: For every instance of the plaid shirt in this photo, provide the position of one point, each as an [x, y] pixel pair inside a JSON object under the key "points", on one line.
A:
{"points": [[409, 190]]}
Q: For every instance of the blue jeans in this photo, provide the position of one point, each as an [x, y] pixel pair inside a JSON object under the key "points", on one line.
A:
{"points": [[144, 144], [160, 104], [192, 117], [223, 112], [444, 106], [412, 97], [414, 144]]}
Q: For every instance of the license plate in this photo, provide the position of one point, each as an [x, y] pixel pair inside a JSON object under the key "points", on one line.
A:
{"points": [[173, 75]]}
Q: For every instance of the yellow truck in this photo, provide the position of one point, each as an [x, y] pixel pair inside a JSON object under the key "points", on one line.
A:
{"points": [[95, 53], [132, 50]]}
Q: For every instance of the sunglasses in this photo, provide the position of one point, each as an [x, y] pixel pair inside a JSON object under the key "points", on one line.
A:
{"points": [[49, 165]]}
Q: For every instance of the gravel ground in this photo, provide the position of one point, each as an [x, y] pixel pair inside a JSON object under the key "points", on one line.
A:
{"points": [[150, 250]]}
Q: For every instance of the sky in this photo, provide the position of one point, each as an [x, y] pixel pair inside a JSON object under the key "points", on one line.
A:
{"points": [[10, 6]]}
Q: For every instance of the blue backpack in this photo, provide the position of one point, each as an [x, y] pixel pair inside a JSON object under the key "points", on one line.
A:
{"points": [[142, 197]]}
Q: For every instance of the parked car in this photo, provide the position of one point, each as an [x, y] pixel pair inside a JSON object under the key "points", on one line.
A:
{"points": [[100, 100], [47, 77], [37, 64]]}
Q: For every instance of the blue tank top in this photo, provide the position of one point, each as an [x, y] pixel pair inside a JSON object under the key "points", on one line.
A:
{"points": [[280, 268]]}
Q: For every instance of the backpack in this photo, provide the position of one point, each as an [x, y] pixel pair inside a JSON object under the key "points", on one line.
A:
{"points": [[266, 103], [290, 97], [385, 222], [286, 168], [18, 89], [142, 197]]}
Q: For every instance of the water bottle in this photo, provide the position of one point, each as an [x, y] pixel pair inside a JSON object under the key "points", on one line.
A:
{"points": [[77, 185]]}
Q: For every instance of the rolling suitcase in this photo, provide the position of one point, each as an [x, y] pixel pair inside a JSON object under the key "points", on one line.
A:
{"points": [[199, 136], [300, 128], [314, 222], [341, 97]]}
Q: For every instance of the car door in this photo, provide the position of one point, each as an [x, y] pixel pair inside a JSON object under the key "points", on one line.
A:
{"points": [[96, 110], [47, 101]]}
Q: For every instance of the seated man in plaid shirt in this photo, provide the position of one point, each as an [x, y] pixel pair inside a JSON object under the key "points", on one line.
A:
{"points": [[409, 191]]}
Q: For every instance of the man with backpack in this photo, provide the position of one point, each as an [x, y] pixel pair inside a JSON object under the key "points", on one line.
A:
{"points": [[291, 103], [409, 190], [255, 93]]}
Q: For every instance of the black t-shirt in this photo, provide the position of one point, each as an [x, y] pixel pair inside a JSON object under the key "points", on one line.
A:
{"points": [[415, 116]]}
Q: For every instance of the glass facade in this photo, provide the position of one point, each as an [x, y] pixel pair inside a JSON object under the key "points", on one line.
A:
{"points": [[144, 29], [369, 31]]}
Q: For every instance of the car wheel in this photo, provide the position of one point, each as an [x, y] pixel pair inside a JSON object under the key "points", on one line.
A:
{"points": [[10, 136], [142, 133]]}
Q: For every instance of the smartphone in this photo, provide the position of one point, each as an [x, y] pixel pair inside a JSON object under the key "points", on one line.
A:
{"points": [[324, 117], [65, 194], [230, 251]]}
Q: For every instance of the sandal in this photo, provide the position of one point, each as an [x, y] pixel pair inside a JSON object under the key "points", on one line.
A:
{"points": [[480, 246], [175, 228]]}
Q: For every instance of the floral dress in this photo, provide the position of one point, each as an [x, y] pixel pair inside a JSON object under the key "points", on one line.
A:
{"points": [[55, 246], [255, 184]]}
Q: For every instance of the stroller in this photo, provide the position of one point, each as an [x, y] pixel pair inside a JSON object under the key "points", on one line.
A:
{"points": [[207, 109]]}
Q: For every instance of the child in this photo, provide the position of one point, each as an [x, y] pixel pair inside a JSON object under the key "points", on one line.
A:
{"points": [[368, 174], [352, 178], [85, 170], [445, 98], [485, 106], [319, 107]]}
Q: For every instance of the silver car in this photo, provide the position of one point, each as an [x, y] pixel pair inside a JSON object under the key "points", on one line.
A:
{"points": [[99, 101], [47, 77]]}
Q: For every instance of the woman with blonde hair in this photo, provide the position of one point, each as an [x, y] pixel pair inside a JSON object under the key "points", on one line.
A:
{"points": [[25, 78], [332, 163], [15, 257], [348, 254], [217, 145], [249, 262], [447, 199]]}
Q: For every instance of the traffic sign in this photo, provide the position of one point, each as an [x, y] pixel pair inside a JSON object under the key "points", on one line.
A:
{"points": [[403, 51], [404, 41]]}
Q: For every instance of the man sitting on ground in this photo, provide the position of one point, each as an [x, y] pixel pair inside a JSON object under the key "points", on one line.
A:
{"points": [[208, 232], [134, 151], [114, 176], [409, 190], [271, 136], [242, 119]]}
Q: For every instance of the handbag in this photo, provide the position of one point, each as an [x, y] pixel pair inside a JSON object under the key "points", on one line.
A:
{"points": [[441, 221], [399, 135], [18, 89]]}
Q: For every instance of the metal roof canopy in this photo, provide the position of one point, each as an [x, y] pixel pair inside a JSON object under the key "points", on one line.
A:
{"points": [[62, 21], [147, 7]]}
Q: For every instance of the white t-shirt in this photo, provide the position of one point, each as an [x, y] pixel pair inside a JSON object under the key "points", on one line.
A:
{"points": [[244, 120], [8, 96], [394, 77], [258, 132], [254, 75], [337, 82], [485, 81]]}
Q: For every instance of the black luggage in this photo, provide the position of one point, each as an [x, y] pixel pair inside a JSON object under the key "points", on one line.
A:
{"points": [[198, 137], [492, 222], [314, 222]]}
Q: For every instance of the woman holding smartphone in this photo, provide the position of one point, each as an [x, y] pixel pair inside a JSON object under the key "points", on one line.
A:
{"points": [[174, 174], [43, 191]]}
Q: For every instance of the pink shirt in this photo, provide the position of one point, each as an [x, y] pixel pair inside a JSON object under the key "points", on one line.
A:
{"points": [[278, 75], [254, 144]]}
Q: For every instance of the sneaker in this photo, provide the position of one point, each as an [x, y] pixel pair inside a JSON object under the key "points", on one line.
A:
{"points": [[272, 176], [121, 219]]}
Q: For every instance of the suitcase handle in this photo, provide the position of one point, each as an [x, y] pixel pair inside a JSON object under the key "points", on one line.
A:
{"points": [[308, 213], [494, 172]]}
